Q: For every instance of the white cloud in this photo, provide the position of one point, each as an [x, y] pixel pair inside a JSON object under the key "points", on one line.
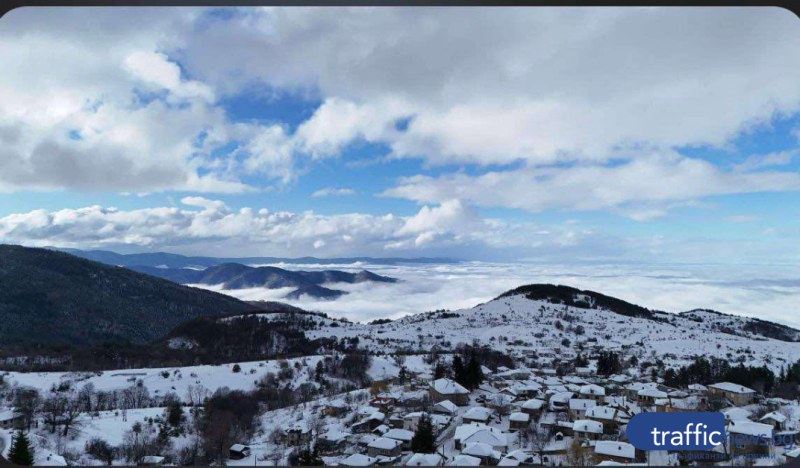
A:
{"points": [[155, 68], [332, 192], [780, 158], [641, 188]]}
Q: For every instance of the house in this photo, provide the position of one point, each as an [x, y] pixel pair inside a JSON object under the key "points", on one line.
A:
{"points": [[477, 414], [697, 389], [152, 460], [384, 447], [792, 455], [331, 441], [425, 459], [464, 460], [485, 452], [592, 391], [297, 436], [648, 396], [473, 432], [358, 459], [403, 435], [613, 451], [578, 407], [586, 429], [445, 407], [336, 408], [744, 437], [738, 395], [10, 419], [560, 401], [518, 421], [604, 414], [238, 451], [446, 389], [533, 407]]}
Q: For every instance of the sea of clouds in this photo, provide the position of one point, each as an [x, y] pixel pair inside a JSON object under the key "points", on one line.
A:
{"points": [[767, 292]]}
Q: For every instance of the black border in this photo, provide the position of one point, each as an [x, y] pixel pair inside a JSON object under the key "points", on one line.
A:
{"points": [[6, 6]]}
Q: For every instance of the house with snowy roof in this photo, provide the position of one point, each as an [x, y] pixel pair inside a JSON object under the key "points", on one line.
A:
{"points": [[385, 447], [586, 429], [775, 419], [424, 459], [614, 451], [358, 460], [485, 452], [446, 389], [533, 407], [578, 407], [473, 432], [748, 437], [738, 395]]}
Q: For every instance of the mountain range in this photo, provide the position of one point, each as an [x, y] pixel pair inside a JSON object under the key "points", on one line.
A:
{"points": [[238, 276], [170, 260]]}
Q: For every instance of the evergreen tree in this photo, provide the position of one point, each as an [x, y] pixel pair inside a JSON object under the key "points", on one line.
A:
{"points": [[21, 453], [474, 373], [459, 374], [309, 457], [423, 441]]}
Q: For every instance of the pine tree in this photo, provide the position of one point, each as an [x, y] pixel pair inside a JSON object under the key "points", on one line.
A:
{"points": [[21, 452], [423, 441], [474, 372], [459, 374], [309, 457]]}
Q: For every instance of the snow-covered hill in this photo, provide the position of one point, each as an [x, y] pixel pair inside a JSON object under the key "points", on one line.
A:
{"points": [[519, 325]]}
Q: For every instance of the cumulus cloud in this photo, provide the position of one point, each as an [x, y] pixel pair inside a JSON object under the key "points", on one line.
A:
{"points": [[332, 192], [640, 188]]}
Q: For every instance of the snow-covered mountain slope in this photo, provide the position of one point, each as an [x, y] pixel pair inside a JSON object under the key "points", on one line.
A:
{"points": [[516, 324]]}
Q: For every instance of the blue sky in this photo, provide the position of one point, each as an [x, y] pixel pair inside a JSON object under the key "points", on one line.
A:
{"points": [[573, 134]]}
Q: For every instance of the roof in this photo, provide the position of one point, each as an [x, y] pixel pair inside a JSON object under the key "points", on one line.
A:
{"points": [[533, 404], [467, 433], [399, 434], [480, 449], [592, 389], [478, 413], [384, 443], [239, 447], [150, 459], [775, 416], [464, 460], [9, 414], [581, 404], [652, 392], [447, 405], [424, 459], [601, 412], [587, 425], [358, 459], [732, 387], [519, 417], [448, 387], [614, 448], [750, 428]]}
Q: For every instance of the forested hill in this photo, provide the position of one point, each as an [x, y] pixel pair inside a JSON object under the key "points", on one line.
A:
{"points": [[53, 298]]}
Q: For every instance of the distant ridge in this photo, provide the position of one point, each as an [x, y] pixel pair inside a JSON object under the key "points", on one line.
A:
{"points": [[238, 276], [169, 260]]}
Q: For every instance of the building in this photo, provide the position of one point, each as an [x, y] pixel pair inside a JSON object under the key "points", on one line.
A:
{"points": [[238, 451], [403, 435], [738, 395], [477, 414], [533, 407], [425, 459], [586, 429], [579, 406], [446, 389], [10, 419], [613, 451], [745, 437], [483, 451], [467, 433], [606, 415], [519, 421], [358, 459], [445, 407], [592, 391], [774, 419], [384, 447]]}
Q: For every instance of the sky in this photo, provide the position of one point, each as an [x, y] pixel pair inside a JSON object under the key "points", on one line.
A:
{"points": [[628, 136]]}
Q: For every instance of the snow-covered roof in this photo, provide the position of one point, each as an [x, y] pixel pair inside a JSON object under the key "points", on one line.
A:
{"points": [[480, 449], [601, 412], [533, 404], [775, 416], [152, 460], [384, 443], [477, 432], [448, 387], [735, 413], [239, 447], [587, 425], [592, 389], [464, 460], [581, 404], [8, 414], [561, 397], [519, 417], [446, 405], [400, 434], [358, 459], [652, 392], [697, 387], [424, 459], [614, 448], [477, 413], [750, 428], [731, 387]]}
